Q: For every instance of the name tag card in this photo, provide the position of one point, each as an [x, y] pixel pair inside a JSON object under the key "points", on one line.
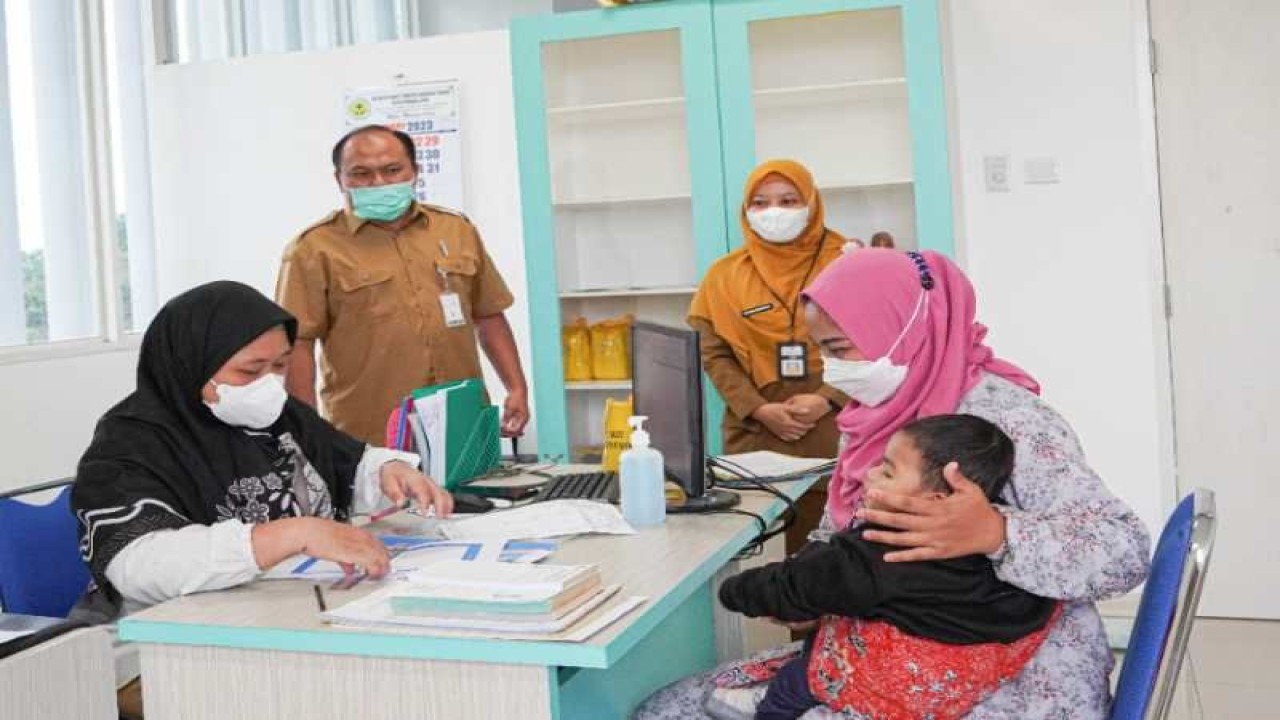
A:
{"points": [[451, 305], [793, 360]]}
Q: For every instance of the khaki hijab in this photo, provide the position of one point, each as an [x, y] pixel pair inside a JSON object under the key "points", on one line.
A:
{"points": [[749, 295]]}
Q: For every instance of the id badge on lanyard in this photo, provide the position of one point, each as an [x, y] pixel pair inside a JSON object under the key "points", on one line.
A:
{"points": [[793, 360], [450, 303], [451, 306]]}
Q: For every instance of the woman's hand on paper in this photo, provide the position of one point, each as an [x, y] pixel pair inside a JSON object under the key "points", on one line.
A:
{"points": [[400, 481], [808, 407], [349, 546], [963, 523], [781, 421]]}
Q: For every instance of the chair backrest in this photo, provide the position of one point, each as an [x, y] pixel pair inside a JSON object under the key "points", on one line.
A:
{"points": [[41, 572], [1162, 628]]}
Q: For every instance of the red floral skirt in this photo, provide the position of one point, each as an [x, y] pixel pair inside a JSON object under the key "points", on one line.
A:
{"points": [[878, 671]]}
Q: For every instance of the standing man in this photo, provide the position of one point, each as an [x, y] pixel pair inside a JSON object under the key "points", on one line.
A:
{"points": [[397, 293]]}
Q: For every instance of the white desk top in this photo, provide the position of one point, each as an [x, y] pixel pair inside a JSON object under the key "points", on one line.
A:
{"points": [[666, 564]]}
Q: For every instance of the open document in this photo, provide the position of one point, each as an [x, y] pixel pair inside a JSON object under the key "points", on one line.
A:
{"points": [[409, 554], [552, 518]]}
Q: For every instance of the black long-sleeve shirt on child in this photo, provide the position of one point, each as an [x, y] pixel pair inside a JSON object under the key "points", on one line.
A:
{"points": [[958, 601]]}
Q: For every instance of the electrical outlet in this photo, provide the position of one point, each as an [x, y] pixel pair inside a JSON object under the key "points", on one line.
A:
{"points": [[995, 168]]}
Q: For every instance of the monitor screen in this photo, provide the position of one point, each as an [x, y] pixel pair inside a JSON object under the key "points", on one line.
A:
{"points": [[667, 386]]}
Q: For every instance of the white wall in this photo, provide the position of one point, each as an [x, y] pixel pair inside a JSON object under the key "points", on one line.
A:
{"points": [[1069, 275], [241, 156], [50, 408], [1219, 109]]}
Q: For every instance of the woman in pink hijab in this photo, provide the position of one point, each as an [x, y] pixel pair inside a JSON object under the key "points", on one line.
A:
{"points": [[899, 335]]}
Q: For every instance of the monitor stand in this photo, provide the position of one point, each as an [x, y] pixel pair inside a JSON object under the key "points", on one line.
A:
{"points": [[709, 501]]}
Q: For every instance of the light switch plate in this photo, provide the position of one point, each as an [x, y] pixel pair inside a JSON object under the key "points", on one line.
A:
{"points": [[1040, 170]]}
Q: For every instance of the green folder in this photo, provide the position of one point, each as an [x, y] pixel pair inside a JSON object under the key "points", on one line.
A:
{"points": [[472, 444]]}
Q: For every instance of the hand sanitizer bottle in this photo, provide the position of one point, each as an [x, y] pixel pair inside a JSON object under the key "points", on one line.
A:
{"points": [[640, 475]]}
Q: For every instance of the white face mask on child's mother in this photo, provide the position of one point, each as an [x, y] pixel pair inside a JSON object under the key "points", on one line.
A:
{"points": [[870, 382]]}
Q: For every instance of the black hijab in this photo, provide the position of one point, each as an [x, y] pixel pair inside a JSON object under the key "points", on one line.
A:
{"points": [[161, 460]]}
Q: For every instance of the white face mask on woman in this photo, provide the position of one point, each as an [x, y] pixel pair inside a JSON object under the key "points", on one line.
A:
{"points": [[256, 405], [871, 382], [779, 225]]}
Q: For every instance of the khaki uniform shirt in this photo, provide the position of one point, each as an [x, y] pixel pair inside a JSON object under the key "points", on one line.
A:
{"points": [[371, 296]]}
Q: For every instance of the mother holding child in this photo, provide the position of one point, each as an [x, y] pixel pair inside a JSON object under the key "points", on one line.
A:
{"points": [[955, 584]]}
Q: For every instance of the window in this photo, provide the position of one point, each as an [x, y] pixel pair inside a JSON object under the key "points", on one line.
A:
{"points": [[201, 30], [75, 241]]}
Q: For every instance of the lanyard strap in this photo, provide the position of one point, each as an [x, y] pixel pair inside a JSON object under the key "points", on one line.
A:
{"points": [[795, 304]]}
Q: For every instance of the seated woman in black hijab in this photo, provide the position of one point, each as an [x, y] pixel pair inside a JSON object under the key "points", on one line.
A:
{"points": [[209, 473]]}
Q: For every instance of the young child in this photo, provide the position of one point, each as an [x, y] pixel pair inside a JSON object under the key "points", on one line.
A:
{"points": [[910, 639]]}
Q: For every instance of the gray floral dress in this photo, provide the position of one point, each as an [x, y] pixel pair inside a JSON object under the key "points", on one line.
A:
{"points": [[1067, 536]]}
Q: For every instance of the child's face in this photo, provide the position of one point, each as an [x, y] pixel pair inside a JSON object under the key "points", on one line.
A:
{"points": [[900, 471]]}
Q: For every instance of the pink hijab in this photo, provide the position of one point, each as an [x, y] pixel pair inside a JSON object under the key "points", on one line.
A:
{"points": [[871, 294]]}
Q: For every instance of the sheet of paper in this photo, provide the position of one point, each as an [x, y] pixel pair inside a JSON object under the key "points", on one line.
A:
{"points": [[431, 412], [410, 554], [766, 464], [553, 518], [14, 626], [7, 635]]}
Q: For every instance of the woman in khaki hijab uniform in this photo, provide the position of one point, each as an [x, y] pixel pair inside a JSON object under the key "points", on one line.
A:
{"points": [[755, 346]]}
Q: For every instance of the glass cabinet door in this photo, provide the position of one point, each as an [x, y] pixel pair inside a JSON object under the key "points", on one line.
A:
{"points": [[849, 89], [610, 207]]}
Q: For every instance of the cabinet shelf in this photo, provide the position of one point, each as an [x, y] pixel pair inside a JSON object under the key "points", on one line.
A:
{"points": [[852, 185], [596, 203], [845, 92], [626, 292], [624, 109], [597, 385]]}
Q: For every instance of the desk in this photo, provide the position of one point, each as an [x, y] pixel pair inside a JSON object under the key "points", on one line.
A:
{"points": [[67, 677], [260, 651]]}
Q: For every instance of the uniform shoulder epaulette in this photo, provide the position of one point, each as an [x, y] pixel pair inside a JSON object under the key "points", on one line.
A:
{"points": [[446, 210], [322, 221]]}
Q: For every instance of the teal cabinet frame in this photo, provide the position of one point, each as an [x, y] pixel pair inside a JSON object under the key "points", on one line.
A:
{"points": [[715, 70], [926, 101], [692, 18]]}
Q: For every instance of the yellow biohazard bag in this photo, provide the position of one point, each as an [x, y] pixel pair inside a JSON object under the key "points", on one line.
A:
{"points": [[576, 338], [617, 434], [611, 349]]}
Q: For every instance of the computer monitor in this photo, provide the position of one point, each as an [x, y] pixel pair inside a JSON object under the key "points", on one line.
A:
{"points": [[666, 374]]}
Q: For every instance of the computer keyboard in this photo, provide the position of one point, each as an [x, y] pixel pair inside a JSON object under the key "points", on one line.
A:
{"points": [[587, 486]]}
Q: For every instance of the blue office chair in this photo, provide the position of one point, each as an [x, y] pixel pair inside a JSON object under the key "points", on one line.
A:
{"points": [[1163, 625], [41, 572]]}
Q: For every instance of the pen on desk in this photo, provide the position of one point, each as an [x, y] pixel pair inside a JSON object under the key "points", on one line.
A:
{"points": [[402, 505], [320, 598]]}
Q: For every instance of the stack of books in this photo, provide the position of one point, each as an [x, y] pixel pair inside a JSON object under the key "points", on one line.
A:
{"points": [[496, 599], [491, 595]]}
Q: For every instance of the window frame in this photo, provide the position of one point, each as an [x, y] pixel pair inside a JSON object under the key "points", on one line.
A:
{"points": [[100, 206]]}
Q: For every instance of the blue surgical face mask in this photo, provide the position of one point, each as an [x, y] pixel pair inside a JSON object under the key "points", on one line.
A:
{"points": [[382, 203]]}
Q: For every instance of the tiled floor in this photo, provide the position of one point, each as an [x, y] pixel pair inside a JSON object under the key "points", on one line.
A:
{"points": [[1232, 672]]}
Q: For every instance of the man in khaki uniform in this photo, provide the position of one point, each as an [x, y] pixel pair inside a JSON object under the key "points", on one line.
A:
{"points": [[396, 292]]}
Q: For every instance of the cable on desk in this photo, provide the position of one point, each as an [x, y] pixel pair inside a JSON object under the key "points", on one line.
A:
{"points": [[749, 480]]}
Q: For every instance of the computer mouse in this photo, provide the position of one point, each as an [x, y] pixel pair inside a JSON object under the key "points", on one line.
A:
{"points": [[469, 504]]}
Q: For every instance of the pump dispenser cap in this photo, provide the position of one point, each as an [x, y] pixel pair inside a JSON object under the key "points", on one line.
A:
{"points": [[639, 438]]}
